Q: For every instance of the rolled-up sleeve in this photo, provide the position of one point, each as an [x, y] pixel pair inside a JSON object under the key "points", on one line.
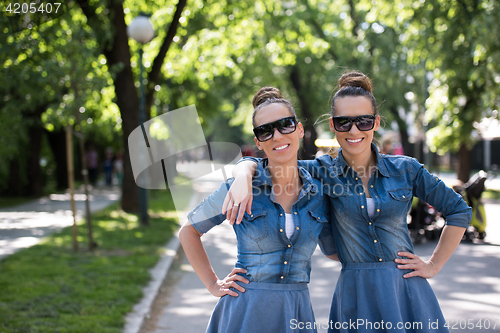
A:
{"points": [[207, 214], [433, 190]]}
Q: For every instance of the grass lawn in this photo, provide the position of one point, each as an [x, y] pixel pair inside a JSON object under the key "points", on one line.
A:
{"points": [[49, 288]]}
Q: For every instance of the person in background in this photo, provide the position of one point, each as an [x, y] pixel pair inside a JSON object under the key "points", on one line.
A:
{"points": [[108, 166], [118, 168], [92, 164]]}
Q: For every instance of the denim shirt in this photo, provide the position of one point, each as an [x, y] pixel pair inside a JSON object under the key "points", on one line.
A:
{"points": [[264, 250], [393, 184]]}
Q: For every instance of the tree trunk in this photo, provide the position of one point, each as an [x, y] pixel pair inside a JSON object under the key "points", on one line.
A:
{"points": [[309, 148], [117, 51], [128, 102], [464, 163], [57, 143], [403, 130]]}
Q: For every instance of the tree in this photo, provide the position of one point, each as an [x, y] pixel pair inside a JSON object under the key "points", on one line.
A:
{"points": [[456, 38]]}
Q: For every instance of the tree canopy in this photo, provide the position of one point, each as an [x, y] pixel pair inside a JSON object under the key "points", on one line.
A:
{"points": [[434, 64]]}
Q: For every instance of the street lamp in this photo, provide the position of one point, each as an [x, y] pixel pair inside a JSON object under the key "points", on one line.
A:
{"points": [[141, 30]]}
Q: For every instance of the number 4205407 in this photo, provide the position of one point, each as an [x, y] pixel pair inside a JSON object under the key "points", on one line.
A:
{"points": [[24, 8]]}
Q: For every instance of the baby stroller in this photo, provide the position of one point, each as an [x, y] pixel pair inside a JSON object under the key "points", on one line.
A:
{"points": [[426, 223], [471, 192]]}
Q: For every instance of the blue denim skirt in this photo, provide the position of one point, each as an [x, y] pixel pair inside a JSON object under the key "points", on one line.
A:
{"points": [[374, 297], [265, 308]]}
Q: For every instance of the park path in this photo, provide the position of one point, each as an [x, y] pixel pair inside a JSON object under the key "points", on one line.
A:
{"points": [[27, 224]]}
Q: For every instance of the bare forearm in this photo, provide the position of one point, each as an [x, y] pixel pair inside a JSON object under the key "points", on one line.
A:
{"points": [[197, 256], [448, 242], [244, 169]]}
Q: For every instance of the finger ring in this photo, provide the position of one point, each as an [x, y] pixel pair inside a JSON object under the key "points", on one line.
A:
{"points": [[236, 205]]}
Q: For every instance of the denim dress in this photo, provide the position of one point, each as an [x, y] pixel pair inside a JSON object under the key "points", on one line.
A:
{"points": [[371, 294], [277, 298]]}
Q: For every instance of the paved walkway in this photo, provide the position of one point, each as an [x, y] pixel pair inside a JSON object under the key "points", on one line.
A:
{"points": [[27, 224], [468, 287]]}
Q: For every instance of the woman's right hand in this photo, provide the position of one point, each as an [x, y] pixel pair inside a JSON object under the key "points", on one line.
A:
{"points": [[238, 199], [223, 287]]}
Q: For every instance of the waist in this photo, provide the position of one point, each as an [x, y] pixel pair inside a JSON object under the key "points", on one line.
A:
{"points": [[368, 265], [275, 286]]}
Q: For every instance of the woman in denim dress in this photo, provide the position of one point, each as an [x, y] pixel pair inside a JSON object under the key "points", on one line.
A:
{"points": [[382, 286], [275, 242]]}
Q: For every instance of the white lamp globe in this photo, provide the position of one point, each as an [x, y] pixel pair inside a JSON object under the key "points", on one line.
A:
{"points": [[141, 29]]}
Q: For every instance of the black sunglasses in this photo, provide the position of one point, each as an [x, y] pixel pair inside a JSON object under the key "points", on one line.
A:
{"points": [[284, 126], [344, 124]]}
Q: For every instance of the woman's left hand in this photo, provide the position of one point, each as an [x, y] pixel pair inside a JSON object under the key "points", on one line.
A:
{"points": [[420, 268]]}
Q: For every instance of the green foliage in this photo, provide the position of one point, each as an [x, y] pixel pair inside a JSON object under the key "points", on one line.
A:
{"points": [[463, 59], [49, 288], [434, 64]]}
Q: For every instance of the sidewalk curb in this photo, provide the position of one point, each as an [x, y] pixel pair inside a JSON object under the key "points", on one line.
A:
{"points": [[135, 318]]}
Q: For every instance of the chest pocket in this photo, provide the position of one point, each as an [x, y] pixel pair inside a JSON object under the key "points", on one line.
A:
{"points": [[316, 223], [401, 202], [255, 225]]}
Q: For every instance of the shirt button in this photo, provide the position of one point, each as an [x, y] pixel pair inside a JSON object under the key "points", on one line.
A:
{"points": [[281, 214], [371, 186], [374, 240], [362, 207], [285, 262], [379, 259], [360, 193], [295, 213], [404, 197], [378, 210], [369, 223], [376, 196], [282, 277], [251, 215], [356, 178], [297, 228], [281, 230], [289, 245]]}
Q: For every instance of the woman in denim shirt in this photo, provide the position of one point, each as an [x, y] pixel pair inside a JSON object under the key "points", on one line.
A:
{"points": [[382, 286], [275, 242]]}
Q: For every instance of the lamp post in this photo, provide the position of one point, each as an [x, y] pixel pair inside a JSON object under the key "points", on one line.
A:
{"points": [[141, 30]]}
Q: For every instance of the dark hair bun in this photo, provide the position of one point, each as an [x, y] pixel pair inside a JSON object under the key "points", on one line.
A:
{"points": [[264, 94], [355, 79]]}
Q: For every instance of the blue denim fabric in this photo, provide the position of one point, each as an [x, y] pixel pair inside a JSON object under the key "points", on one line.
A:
{"points": [[264, 250], [394, 183]]}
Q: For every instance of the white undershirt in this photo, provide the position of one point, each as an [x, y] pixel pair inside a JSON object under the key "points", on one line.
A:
{"points": [[289, 225], [370, 206]]}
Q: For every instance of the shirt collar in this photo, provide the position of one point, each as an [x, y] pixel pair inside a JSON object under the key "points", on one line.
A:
{"points": [[262, 177], [341, 164]]}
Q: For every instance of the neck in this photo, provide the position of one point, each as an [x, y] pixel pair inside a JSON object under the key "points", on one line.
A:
{"points": [[284, 174], [363, 164]]}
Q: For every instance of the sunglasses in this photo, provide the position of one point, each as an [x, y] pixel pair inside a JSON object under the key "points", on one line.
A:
{"points": [[344, 124], [284, 126]]}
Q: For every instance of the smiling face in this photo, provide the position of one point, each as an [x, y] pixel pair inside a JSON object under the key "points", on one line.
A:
{"points": [[281, 148], [354, 143]]}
